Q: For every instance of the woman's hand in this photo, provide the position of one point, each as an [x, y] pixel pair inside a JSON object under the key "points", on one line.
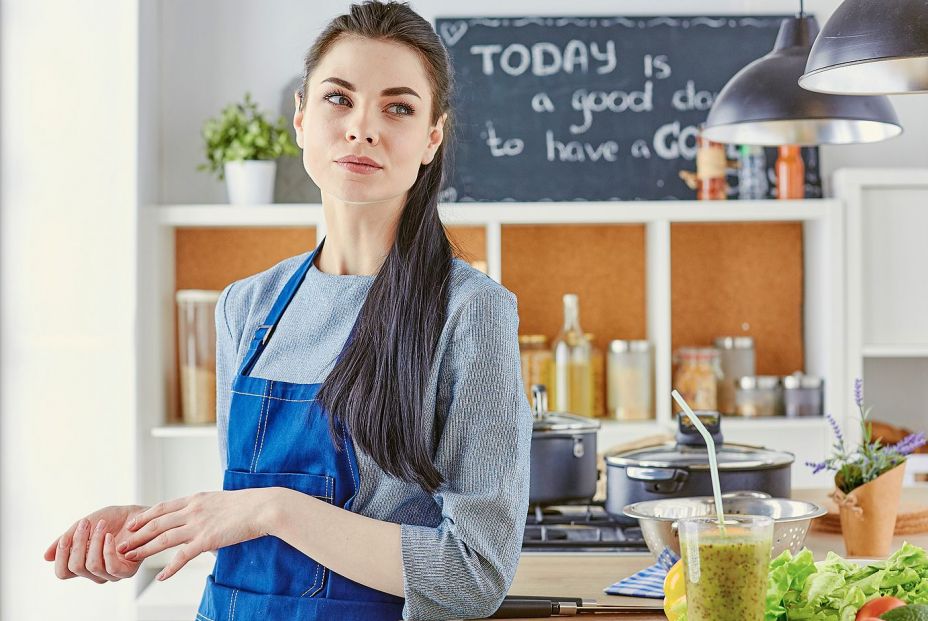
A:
{"points": [[198, 523], [88, 548]]}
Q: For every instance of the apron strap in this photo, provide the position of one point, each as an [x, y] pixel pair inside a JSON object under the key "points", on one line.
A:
{"points": [[264, 331]]}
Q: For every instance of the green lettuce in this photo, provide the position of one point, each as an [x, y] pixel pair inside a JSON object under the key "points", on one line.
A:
{"points": [[800, 589]]}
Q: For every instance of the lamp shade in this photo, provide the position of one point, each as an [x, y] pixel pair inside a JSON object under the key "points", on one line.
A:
{"points": [[763, 103], [869, 47]]}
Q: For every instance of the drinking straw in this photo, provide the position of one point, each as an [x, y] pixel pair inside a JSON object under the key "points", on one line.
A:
{"points": [[713, 461]]}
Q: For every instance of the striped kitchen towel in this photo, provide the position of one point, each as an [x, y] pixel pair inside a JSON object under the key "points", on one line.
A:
{"points": [[648, 582]]}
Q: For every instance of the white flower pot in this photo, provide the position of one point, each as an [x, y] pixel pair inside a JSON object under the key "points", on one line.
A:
{"points": [[250, 182]]}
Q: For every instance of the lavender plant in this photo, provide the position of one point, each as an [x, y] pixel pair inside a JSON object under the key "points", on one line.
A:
{"points": [[854, 466]]}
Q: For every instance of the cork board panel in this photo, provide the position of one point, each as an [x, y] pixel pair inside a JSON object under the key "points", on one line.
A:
{"points": [[740, 279], [603, 264], [470, 242], [211, 258]]}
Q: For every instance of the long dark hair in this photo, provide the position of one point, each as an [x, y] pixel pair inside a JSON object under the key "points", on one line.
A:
{"points": [[377, 387]]}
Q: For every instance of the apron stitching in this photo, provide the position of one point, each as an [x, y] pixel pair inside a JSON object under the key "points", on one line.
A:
{"points": [[252, 394], [264, 432], [264, 403], [203, 616], [232, 605], [313, 585], [356, 484]]}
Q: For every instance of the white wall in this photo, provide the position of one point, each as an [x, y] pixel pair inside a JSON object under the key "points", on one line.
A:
{"points": [[211, 56], [67, 200]]}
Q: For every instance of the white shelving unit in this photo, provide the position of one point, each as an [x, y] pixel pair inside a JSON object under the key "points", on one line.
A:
{"points": [[887, 292], [823, 314]]}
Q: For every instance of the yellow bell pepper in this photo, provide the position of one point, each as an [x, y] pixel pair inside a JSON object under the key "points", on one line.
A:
{"points": [[675, 593]]}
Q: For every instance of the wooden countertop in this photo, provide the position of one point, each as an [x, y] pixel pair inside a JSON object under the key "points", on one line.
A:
{"points": [[586, 575]]}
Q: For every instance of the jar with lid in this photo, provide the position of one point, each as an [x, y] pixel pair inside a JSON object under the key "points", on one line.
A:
{"points": [[536, 359], [736, 359], [196, 344], [628, 387], [697, 377], [803, 395], [598, 377], [758, 395]]}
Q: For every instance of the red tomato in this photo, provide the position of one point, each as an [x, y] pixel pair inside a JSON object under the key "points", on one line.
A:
{"points": [[875, 607]]}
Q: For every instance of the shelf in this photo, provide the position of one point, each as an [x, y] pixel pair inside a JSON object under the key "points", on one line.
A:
{"points": [[609, 426], [630, 212], [896, 351], [184, 431]]}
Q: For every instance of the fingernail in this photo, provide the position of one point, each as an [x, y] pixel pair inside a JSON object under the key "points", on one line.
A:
{"points": [[83, 525], [161, 576], [131, 523], [62, 543], [122, 547], [131, 555], [100, 526]]}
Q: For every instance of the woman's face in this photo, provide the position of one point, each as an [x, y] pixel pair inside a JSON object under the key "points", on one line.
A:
{"points": [[372, 99]]}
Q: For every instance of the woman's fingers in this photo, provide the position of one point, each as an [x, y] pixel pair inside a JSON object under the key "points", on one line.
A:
{"points": [[162, 508], [165, 540], [62, 554], [152, 531], [115, 564], [78, 555], [95, 563]]}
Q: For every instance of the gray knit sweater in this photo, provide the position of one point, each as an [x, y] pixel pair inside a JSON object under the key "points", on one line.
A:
{"points": [[461, 545]]}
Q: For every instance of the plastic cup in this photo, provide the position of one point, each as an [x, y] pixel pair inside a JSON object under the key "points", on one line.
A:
{"points": [[726, 571]]}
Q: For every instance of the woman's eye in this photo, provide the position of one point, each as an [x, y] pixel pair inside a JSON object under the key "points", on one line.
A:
{"points": [[406, 109], [337, 96]]}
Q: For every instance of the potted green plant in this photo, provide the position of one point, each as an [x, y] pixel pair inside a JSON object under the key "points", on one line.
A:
{"points": [[242, 146], [868, 483]]}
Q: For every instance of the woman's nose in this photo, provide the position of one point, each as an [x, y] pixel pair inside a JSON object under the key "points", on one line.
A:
{"points": [[360, 129]]}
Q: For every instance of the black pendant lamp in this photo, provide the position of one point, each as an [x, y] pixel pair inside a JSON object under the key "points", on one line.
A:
{"points": [[869, 47], [763, 103]]}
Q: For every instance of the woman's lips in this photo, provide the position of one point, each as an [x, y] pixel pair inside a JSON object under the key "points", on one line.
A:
{"points": [[362, 169]]}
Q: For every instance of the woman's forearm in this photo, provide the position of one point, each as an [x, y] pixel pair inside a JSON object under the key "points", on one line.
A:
{"points": [[355, 546]]}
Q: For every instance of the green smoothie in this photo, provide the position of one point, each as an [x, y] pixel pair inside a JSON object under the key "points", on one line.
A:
{"points": [[726, 575]]}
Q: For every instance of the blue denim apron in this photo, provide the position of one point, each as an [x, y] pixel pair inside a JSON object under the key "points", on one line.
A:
{"points": [[279, 437]]}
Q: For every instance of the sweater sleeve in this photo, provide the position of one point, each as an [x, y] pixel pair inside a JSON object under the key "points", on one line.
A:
{"points": [[464, 566], [227, 341]]}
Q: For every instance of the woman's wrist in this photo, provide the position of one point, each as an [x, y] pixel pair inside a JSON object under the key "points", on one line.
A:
{"points": [[270, 509]]}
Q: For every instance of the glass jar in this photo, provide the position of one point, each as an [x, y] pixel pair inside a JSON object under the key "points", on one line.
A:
{"points": [[803, 395], [196, 348], [758, 395], [573, 380], [697, 377], [628, 388], [536, 359], [736, 359], [598, 375]]}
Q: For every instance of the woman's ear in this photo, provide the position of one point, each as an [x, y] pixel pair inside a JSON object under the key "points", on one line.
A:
{"points": [[298, 118], [436, 135]]}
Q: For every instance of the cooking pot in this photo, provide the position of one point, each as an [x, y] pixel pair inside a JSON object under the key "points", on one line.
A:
{"points": [[563, 466], [681, 469]]}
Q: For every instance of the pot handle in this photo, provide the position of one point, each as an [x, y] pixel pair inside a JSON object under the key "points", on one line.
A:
{"points": [[658, 480]]}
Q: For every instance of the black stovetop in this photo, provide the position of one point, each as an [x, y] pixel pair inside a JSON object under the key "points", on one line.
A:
{"points": [[579, 528]]}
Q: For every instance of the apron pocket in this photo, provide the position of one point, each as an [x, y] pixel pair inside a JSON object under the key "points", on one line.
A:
{"points": [[268, 564]]}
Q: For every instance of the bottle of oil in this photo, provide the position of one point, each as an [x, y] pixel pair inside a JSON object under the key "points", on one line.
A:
{"points": [[573, 379]]}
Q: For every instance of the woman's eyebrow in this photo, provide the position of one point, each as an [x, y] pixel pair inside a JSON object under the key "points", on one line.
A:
{"points": [[387, 92]]}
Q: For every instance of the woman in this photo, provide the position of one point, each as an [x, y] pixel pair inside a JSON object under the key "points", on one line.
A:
{"points": [[371, 415]]}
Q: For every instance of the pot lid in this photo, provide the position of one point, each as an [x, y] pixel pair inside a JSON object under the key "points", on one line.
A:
{"points": [[672, 455], [556, 421], [561, 421]]}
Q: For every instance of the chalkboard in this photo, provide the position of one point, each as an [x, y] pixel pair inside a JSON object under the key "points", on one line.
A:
{"points": [[592, 108]]}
